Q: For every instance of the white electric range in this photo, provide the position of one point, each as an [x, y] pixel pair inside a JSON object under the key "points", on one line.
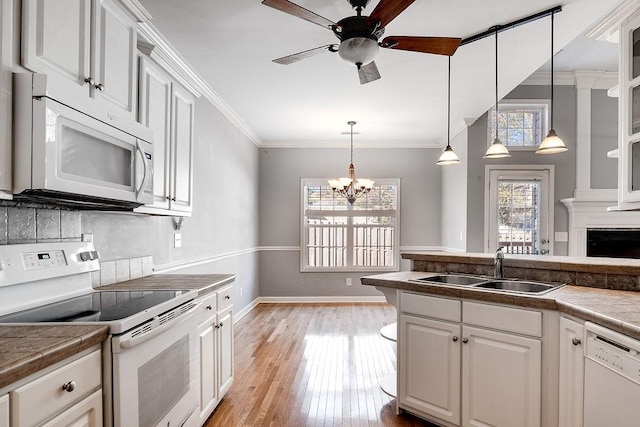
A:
{"points": [[150, 356]]}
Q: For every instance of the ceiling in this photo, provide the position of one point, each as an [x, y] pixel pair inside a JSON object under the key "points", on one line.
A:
{"points": [[231, 45]]}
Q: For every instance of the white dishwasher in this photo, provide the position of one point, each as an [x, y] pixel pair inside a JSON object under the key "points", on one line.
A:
{"points": [[611, 378]]}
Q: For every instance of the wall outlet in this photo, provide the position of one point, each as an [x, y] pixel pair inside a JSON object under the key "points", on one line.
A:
{"points": [[347, 281], [177, 240], [87, 237], [561, 236], [241, 292]]}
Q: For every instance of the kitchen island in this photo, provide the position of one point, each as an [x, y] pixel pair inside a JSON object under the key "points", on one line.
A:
{"points": [[471, 356]]}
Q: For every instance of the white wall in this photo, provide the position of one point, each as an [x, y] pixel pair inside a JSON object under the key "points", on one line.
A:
{"points": [[453, 228], [280, 172]]}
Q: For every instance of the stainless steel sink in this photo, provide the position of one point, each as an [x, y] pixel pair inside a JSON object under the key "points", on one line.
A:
{"points": [[518, 286], [453, 279], [480, 282]]}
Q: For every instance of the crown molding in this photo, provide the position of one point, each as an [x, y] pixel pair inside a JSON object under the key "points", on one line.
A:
{"points": [[360, 144], [606, 28], [593, 79], [180, 68], [461, 125]]}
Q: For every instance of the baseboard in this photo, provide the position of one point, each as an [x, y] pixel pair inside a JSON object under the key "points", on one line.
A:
{"points": [[311, 300], [241, 313]]}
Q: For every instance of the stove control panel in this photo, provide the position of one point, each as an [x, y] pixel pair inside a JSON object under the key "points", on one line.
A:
{"points": [[38, 260]]}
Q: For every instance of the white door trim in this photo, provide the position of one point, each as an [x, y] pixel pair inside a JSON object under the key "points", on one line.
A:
{"points": [[519, 168]]}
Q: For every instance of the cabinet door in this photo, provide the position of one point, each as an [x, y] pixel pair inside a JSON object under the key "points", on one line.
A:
{"points": [[501, 382], [6, 51], [56, 41], [4, 410], [225, 351], [571, 372], [208, 380], [114, 57], [429, 363], [87, 413], [182, 149], [155, 113]]}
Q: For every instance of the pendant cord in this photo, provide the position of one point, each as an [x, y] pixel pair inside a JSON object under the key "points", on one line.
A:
{"points": [[496, 112], [449, 104], [552, 13], [351, 142]]}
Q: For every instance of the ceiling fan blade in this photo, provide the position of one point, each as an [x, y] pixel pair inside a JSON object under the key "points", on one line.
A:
{"points": [[437, 45], [368, 73], [299, 11], [387, 10], [286, 60]]}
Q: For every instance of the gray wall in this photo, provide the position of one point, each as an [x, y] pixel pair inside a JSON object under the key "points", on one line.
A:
{"points": [[565, 163], [280, 172], [604, 138], [453, 230]]}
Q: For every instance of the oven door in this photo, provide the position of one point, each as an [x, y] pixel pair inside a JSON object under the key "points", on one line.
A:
{"points": [[155, 372], [77, 154]]}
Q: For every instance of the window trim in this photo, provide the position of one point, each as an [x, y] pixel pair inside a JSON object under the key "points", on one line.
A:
{"points": [[396, 239], [543, 103]]}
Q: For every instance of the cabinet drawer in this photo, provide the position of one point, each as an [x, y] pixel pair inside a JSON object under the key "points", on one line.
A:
{"points": [[87, 413], [225, 297], [38, 400], [423, 305], [506, 319], [208, 307], [4, 410]]}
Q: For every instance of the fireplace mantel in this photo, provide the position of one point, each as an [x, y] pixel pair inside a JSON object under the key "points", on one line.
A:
{"points": [[590, 211]]}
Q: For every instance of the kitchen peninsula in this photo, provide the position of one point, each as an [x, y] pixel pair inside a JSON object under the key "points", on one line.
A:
{"points": [[470, 355]]}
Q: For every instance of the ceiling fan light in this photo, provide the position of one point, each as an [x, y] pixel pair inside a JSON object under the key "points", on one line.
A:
{"points": [[497, 150], [448, 157], [552, 144], [358, 50]]}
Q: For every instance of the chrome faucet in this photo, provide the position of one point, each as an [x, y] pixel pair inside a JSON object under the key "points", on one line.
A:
{"points": [[497, 263]]}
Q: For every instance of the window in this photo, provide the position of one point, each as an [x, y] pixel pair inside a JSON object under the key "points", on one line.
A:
{"points": [[521, 123], [338, 236]]}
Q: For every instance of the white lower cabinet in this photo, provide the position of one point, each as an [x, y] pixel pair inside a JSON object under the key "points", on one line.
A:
{"points": [[571, 383], [473, 365], [69, 396], [4, 410], [216, 349]]}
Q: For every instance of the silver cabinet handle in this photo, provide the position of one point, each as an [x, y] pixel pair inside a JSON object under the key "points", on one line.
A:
{"points": [[227, 297], [465, 340], [221, 325], [99, 86], [69, 387], [454, 338], [209, 307], [576, 341], [89, 80]]}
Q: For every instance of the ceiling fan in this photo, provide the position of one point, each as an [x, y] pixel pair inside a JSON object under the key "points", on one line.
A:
{"points": [[359, 35]]}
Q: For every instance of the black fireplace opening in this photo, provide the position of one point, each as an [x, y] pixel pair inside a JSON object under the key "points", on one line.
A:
{"points": [[614, 243]]}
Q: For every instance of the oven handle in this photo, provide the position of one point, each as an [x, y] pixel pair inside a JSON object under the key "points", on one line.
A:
{"points": [[127, 343]]}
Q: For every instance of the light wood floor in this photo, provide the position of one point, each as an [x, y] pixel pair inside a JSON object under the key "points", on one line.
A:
{"points": [[312, 364]]}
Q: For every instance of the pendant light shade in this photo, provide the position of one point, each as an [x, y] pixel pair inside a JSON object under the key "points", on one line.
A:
{"points": [[552, 143], [448, 156], [497, 150]]}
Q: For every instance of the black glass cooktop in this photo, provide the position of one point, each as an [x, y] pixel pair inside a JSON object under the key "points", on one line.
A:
{"points": [[97, 306]]}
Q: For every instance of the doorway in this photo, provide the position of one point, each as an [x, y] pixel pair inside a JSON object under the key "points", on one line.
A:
{"points": [[519, 209]]}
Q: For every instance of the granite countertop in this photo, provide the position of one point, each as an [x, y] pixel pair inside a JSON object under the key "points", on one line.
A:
{"points": [[26, 349], [617, 310], [204, 283]]}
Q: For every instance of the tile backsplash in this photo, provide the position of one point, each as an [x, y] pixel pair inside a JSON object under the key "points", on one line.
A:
{"points": [[19, 225]]}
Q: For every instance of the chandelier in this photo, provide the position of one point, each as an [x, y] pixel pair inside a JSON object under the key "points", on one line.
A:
{"points": [[349, 187]]}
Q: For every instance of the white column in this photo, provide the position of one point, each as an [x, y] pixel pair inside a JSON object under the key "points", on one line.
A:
{"points": [[584, 83]]}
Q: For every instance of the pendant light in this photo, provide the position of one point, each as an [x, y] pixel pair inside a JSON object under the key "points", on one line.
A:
{"points": [[448, 156], [348, 187], [497, 150], [552, 143]]}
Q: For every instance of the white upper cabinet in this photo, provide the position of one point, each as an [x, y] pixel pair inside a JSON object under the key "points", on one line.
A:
{"points": [[167, 108], [6, 31], [629, 114], [87, 48]]}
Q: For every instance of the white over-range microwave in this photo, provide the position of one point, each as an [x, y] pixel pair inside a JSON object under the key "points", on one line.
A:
{"points": [[65, 157]]}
